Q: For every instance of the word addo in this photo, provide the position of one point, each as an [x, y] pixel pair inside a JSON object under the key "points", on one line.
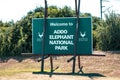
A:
{"points": [[60, 31]]}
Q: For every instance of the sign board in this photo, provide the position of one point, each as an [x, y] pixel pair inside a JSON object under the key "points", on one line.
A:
{"points": [[60, 36]]}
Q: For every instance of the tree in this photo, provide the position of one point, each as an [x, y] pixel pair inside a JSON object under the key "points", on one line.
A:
{"points": [[109, 37], [67, 12], [53, 11], [98, 26], [1, 23]]}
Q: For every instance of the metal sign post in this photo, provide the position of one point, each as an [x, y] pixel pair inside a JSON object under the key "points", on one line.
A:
{"points": [[77, 9], [76, 35], [101, 8], [43, 43]]}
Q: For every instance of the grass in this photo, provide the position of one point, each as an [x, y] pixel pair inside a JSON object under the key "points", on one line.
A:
{"points": [[12, 67], [14, 71], [107, 66]]}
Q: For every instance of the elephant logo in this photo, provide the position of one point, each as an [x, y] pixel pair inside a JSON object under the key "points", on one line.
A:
{"points": [[40, 35], [82, 34]]}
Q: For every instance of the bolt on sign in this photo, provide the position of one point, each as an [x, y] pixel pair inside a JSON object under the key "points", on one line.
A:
{"points": [[60, 36]]}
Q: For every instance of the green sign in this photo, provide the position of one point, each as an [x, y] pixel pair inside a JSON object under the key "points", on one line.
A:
{"points": [[60, 36]]}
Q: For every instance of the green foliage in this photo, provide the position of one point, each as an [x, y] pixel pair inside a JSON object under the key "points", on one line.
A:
{"points": [[16, 38], [1, 23], [5, 37], [97, 24], [109, 36], [85, 15]]}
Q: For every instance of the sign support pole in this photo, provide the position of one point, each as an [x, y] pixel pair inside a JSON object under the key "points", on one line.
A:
{"points": [[79, 65], [51, 63], [43, 45], [79, 62], [76, 35], [101, 8]]}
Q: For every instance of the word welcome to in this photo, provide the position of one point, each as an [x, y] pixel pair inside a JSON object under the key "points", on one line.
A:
{"points": [[61, 24]]}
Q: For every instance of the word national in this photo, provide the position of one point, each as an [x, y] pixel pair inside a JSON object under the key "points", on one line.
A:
{"points": [[61, 42]]}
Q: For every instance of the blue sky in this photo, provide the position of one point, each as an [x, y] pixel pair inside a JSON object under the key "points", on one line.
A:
{"points": [[16, 9]]}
